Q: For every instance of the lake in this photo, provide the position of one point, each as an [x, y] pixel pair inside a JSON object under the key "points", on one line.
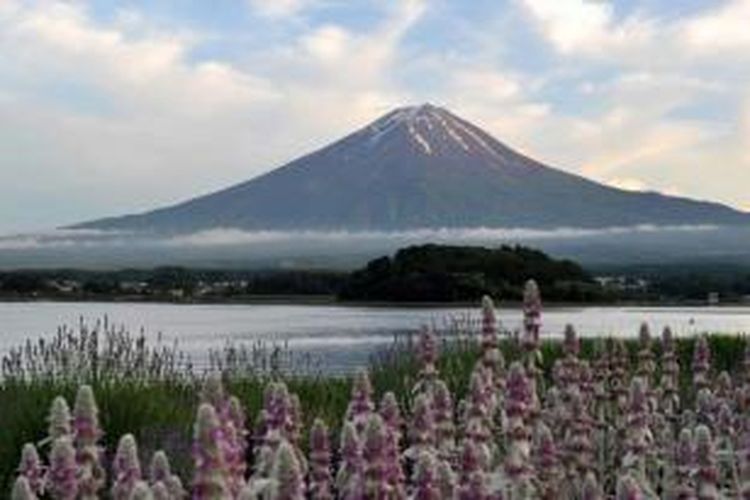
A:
{"points": [[340, 337]]}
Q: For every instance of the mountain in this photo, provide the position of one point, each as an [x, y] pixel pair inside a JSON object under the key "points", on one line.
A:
{"points": [[421, 167]]}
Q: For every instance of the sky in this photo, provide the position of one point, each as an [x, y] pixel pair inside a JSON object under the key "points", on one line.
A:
{"points": [[110, 107]]}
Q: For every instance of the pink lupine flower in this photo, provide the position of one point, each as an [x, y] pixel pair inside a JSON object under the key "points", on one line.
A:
{"points": [[546, 459], [141, 491], [670, 370], [160, 472], [701, 362], [591, 489], [425, 478], [234, 425], [360, 405], [373, 453], [646, 365], [472, 480], [579, 449], [210, 477], [22, 490], [427, 353], [489, 325], [59, 419], [160, 492], [518, 436], [391, 415], [422, 427], [708, 472], [126, 468], [571, 344], [684, 463], [532, 315], [619, 362], [628, 488], [442, 409], [287, 478], [350, 480], [32, 469], [62, 482], [638, 437], [567, 369], [446, 480], [86, 435], [320, 462], [476, 417]]}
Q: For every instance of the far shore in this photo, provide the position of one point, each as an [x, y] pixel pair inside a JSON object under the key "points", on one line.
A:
{"points": [[332, 300]]}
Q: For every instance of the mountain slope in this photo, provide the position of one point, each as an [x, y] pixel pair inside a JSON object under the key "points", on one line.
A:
{"points": [[421, 167]]}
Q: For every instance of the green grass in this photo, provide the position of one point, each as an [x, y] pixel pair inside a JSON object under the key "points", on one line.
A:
{"points": [[159, 410]]}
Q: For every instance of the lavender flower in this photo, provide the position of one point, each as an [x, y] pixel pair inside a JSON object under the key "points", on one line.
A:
{"points": [[22, 490], [126, 468], [62, 482], [87, 433], [210, 479], [32, 469], [320, 462], [287, 477]]}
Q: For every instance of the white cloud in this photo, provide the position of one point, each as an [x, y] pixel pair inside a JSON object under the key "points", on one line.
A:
{"points": [[279, 8], [723, 29]]}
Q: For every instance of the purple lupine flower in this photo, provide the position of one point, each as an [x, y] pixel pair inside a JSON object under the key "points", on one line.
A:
{"points": [[427, 353], [472, 480], [373, 454], [442, 409], [518, 436], [532, 315], [546, 459], [446, 480], [160, 472], [579, 449], [619, 361], [350, 480], [422, 427], [126, 468], [210, 476], [288, 482], [59, 419], [684, 464], [234, 425], [141, 491], [425, 478], [62, 481], [708, 472], [32, 469], [391, 415], [489, 325], [571, 344], [476, 417], [22, 490], [567, 369], [638, 437], [744, 469], [360, 405], [86, 436], [320, 462], [628, 488], [701, 363], [590, 490], [670, 371]]}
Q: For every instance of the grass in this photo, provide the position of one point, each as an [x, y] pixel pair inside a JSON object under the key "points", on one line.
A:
{"points": [[152, 391]]}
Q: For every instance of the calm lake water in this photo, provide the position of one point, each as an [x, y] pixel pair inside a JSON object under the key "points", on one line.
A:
{"points": [[338, 337]]}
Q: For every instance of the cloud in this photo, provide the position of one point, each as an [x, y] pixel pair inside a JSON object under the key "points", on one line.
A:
{"points": [[723, 29], [279, 8]]}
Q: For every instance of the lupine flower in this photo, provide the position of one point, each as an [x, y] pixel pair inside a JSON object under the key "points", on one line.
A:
{"points": [[360, 405], [373, 454], [427, 353], [446, 480], [160, 472], [22, 490], [472, 480], [442, 409], [646, 365], [628, 488], [87, 433], [237, 463], [476, 419], [210, 479], [287, 478], [59, 419], [489, 325], [425, 478], [517, 404], [546, 459], [422, 427], [391, 415], [62, 482], [160, 492], [320, 462], [350, 480], [31, 468], [638, 435], [708, 473], [701, 363], [126, 468], [141, 491], [591, 489], [532, 314]]}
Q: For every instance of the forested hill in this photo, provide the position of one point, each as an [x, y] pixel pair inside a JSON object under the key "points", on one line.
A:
{"points": [[439, 273]]}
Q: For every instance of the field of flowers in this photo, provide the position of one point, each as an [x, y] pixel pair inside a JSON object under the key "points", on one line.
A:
{"points": [[494, 417]]}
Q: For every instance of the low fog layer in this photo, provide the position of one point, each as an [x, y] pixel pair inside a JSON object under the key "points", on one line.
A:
{"points": [[275, 249]]}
